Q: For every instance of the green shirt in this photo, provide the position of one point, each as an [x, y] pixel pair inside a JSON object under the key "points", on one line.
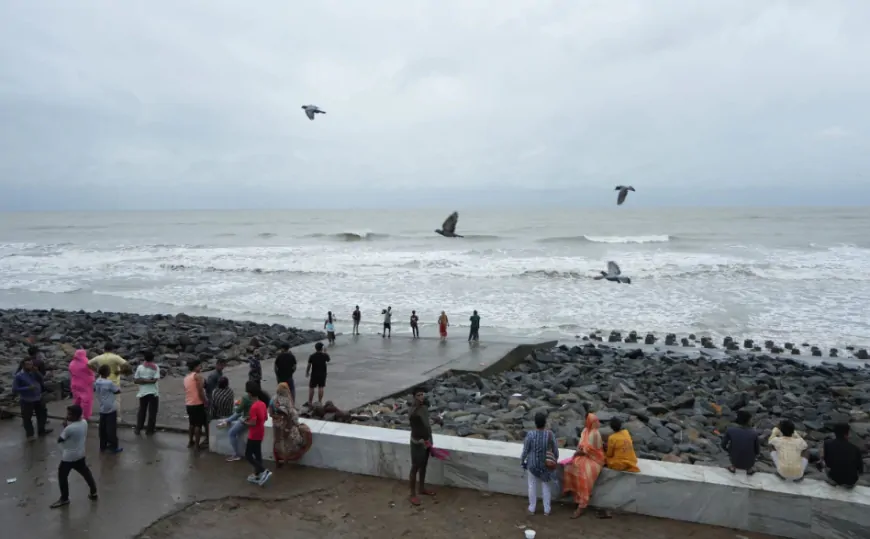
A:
{"points": [[243, 408]]}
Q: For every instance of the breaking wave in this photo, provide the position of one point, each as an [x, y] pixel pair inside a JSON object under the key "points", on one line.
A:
{"points": [[351, 236], [656, 238]]}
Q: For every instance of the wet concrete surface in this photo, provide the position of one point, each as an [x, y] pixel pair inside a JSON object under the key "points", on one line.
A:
{"points": [[362, 369], [159, 489]]}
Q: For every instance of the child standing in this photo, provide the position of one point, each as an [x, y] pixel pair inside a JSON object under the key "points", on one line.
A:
{"points": [[256, 432], [105, 391], [73, 439]]}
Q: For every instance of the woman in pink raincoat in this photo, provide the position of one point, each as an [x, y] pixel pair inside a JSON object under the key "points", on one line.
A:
{"points": [[82, 382]]}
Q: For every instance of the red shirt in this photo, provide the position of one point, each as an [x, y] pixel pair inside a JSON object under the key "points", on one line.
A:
{"points": [[257, 431]]}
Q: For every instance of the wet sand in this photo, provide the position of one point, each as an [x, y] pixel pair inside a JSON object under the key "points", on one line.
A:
{"points": [[159, 489]]}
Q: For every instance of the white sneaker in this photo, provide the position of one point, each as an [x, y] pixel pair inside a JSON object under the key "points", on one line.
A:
{"points": [[253, 478], [264, 477]]}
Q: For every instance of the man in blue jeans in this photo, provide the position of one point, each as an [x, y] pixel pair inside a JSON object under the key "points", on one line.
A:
{"points": [[237, 426]]}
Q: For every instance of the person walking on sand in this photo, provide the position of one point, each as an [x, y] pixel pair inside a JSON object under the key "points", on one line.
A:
{"points": [[117, 366], [72, 439], [106, 390], [443, 324], [388, 318], [81, 382], [329, 326], [146, 377], [356, 318], [415, 321], [27, 384], [474, 332], [196, 402], [316, 373]]}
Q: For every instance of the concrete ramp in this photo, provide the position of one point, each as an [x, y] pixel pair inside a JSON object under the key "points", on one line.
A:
{"points": [[365, 369]]}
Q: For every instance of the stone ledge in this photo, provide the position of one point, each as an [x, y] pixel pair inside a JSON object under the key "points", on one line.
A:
{"points": [[760, 503]]}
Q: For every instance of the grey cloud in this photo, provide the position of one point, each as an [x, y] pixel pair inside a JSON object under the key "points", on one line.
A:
{"points": [[115, 103]]}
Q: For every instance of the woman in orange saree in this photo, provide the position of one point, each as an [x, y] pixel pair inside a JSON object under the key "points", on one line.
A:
{"points": [[580, 475]]}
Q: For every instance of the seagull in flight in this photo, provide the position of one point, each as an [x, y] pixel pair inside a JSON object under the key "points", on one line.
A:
{"points": [[311, 110], [448, 229], [613, 274], [623, 192]]}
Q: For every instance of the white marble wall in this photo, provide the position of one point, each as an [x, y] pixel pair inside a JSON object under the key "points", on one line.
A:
{"points": [[761, 503]]}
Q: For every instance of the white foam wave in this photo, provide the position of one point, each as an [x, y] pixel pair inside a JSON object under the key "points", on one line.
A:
{"points": [[655, 238]]}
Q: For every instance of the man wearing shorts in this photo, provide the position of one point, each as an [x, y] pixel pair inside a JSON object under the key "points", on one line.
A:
{"points": [[196, 401], [388, 318], [316, 373]]}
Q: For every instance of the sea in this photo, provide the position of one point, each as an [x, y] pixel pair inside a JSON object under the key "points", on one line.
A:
{"points": [[787, 274]]}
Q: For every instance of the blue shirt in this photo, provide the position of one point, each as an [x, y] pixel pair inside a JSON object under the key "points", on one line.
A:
{"points": [[28, 386], [105, 391], [535, 448]]}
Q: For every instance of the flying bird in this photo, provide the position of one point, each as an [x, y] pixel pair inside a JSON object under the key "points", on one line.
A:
{"points": [[623, 192], [448, 229], [613, 274], [311, 110]]}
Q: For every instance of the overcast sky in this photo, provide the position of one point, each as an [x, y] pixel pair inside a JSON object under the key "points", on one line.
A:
{"points": [[196, 103]]}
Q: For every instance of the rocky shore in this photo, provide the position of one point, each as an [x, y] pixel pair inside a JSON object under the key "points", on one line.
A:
{"points": [[674, 403], [174, 339]]}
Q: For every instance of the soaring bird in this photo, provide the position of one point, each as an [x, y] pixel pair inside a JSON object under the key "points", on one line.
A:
{"points": [[448, 229], [613, 274], [311, 110], [623, 192]]}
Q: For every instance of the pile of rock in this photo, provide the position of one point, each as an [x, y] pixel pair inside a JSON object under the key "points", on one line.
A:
{"points": [[728, 343], [174, 340], [675, 404]]}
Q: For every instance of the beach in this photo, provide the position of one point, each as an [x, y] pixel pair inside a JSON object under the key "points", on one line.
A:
{"points": [[788, 274]]}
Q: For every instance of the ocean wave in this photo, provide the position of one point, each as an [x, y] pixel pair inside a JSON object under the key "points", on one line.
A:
{"points": [[656, 238], [266, 235], [351, 236], [256, 271]]}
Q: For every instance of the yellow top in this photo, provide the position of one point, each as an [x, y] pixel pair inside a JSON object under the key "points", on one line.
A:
{"points": [[620, 452]]}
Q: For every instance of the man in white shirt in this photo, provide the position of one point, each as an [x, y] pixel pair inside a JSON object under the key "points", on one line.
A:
{"points": [[388, 317], [789, 456]]}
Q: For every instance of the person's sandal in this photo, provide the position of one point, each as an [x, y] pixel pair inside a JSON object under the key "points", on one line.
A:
{"points": [[93, 496], [59, 503], [414, 500], [750, 471], [731, 469]]}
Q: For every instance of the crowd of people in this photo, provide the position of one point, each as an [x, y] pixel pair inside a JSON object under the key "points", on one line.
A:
{"points": [[443, 323], [97, 381]]}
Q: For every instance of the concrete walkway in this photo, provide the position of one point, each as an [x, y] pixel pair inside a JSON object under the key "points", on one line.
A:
{"points": [[362, 369], [159, 489]]}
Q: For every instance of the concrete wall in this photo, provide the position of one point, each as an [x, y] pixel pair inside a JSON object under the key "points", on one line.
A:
{"points": [[761, 503]]}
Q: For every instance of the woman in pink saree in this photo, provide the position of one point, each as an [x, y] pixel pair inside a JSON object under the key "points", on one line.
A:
{"points": [[82, 382], [580, 474]]}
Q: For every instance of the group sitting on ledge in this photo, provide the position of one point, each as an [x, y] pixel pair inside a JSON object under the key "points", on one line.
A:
{"points": [[841, 460]]}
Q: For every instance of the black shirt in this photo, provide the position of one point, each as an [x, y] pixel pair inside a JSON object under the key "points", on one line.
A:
{"points": [[843, 461], [317, 362], [285, 366], [419, 419]]}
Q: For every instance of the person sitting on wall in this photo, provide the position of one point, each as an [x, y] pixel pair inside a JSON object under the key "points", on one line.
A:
{"points": [[842, 459], [790, 452], [620, 449], [742, 444]]}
